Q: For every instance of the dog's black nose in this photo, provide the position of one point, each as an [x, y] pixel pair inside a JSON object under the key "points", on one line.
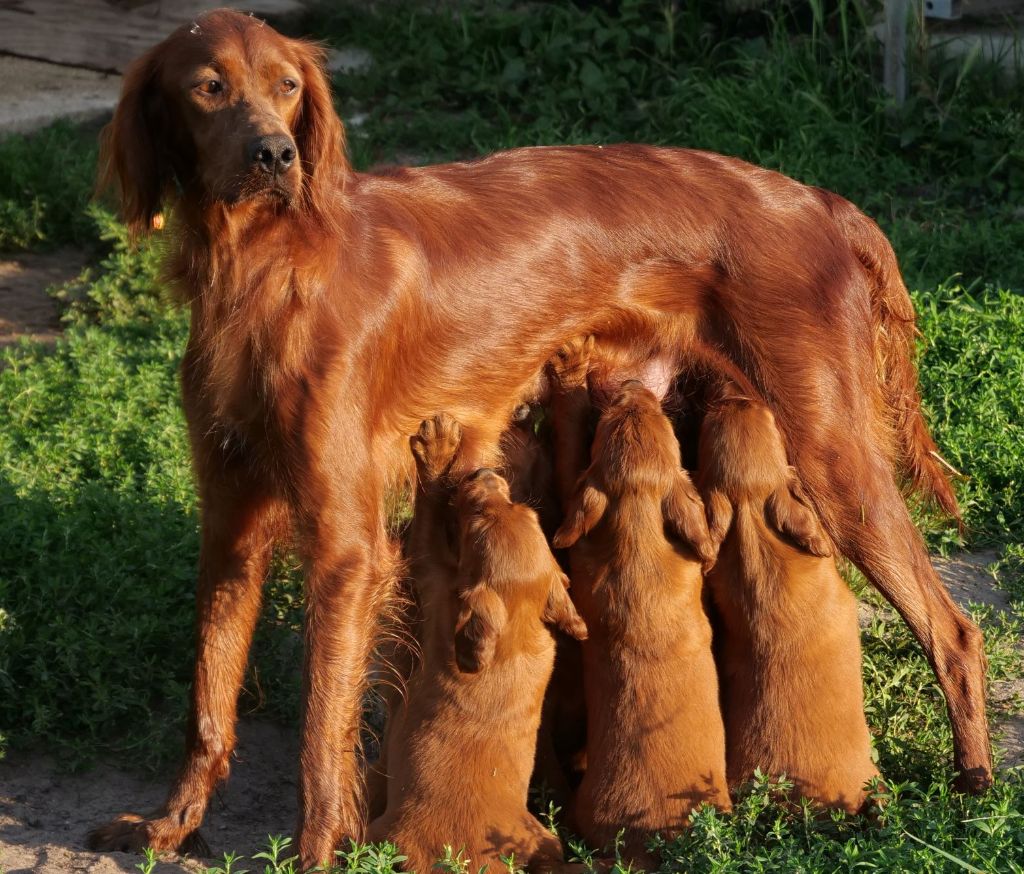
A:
{"points": [[274, 154]]}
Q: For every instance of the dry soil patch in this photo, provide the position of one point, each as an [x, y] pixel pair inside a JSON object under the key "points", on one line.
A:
{"points": [[26, 307], [45, 815]]}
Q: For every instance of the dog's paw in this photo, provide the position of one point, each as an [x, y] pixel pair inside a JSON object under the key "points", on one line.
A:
{"points": [[435, 445], [569, 365], [131, 833]]}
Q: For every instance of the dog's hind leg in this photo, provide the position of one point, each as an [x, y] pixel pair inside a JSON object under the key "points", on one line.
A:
{"points": [[861, 506]]}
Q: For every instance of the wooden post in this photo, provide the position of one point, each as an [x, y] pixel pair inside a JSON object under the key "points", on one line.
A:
{"points": [[896, 49]]}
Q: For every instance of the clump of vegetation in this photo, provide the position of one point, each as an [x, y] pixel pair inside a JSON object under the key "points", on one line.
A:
{"points": [[45, 181], [99, 542]]}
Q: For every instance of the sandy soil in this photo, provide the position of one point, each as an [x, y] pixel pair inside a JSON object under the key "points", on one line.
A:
{"points": [[26, 309], [45, 815]]}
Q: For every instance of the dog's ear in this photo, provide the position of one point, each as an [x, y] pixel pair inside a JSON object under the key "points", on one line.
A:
{"points": [[480, 622], [319, 134], [788, 511], [586, 508], [560, 611], [684, 516], [133, 146], [719, 512]]}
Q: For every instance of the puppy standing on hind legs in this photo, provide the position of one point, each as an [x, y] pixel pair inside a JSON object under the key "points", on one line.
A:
{"points": [[461, 750], [655, 740], [789, 656]]}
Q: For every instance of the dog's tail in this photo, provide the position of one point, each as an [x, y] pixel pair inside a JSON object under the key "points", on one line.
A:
{"points": [[896, 334]]}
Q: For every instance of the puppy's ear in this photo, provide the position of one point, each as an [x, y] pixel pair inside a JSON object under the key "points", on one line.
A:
{"points": [[480, 622], [560, 611], [586, 508], [133, 147], [684, 516], [788, 511], [719, 512], [318, 133]]}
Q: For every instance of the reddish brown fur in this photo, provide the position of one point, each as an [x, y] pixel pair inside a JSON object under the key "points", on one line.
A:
{"points": [[317, 301], [655, 741], [461, 751], [789, 657], [526, 464], [895, 345]]}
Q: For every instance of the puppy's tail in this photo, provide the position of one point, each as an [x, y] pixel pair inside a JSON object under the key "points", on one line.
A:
{"points": [[896, 334]]}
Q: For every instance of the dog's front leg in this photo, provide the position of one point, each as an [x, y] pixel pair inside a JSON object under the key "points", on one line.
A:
{"points": [[349, 573], [241, 519]]}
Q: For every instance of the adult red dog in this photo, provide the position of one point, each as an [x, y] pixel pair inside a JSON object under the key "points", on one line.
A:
{"points": [[333, 311]]}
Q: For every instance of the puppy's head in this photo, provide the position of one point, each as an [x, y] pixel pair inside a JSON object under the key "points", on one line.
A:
{"points": [[743, 462], [509, 581], [635, 454], [526, 461]]}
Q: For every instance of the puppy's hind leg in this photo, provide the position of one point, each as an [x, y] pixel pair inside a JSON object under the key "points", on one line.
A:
{"points": [[434, 446]]}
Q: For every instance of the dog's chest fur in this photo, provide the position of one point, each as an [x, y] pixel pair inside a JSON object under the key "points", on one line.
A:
{"points": [[253, 351]]}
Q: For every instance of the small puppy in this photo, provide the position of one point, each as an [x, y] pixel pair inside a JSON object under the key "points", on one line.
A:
{"points": [[789, 654], [636, 525], [461, 750]]}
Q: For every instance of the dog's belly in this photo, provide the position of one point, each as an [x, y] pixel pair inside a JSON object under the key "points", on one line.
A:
{"points": [[481, 383]]}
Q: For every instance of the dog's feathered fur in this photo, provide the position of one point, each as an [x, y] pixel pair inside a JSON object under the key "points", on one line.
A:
{"points": [[318, 296], [655, 742]]}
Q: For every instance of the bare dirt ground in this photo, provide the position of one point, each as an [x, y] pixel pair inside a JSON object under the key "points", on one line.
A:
{"points": [[26, 308], [45, 814]]}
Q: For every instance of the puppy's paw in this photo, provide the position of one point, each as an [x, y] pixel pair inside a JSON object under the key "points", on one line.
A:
{"points": [[434, 446], [569, 365]]}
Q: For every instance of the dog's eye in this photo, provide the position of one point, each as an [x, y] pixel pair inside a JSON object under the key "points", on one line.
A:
{"points": [[211, 86], [288, 86]]}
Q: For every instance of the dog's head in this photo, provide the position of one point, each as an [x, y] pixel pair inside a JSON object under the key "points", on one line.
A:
{"points": [[743, 461], [635, 453], [225, 110], [508, 577]]}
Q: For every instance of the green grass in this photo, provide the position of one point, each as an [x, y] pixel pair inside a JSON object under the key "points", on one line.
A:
{"points": [[972, 375], [44, 181], [99, 537]]}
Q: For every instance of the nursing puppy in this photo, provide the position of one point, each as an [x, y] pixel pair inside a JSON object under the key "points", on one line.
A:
{"points": [[526, 464], [655, 741], [461, 751], [789, 657]]}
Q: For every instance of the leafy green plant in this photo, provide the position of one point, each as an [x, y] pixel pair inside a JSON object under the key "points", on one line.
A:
{"points": [[228, 866], [369, 859], [45, 179], [277, 862], [148, 865], [972, 375]]}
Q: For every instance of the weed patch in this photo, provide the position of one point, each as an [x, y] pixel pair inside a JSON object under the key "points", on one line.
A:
{"points": [[45, 181]]}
